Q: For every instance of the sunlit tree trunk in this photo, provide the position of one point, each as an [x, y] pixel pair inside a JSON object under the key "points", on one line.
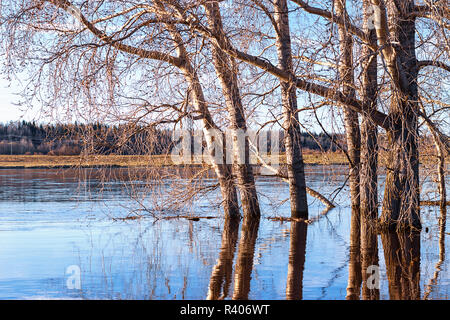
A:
{"points": [[369, 159], [353, 137], [297, 253], [221, 168], [294, 157], [352, 130], [227, 72], [396, 37], [369, 130]]}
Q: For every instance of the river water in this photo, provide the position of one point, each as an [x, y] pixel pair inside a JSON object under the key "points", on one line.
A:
{"points": [[60, 238]]}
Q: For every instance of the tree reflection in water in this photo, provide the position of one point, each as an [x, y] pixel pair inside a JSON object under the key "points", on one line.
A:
{"points": [[402, 257], [244, 262], [297, 253], [442, 227], [354, 267], [369, 257], [223, 270]]}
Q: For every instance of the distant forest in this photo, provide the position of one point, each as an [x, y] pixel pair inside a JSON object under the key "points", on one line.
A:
{"points": [[72, 139]]}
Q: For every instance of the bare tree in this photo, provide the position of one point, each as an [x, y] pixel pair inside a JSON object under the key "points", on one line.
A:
{"points": [[226, 70], [294, 158]]}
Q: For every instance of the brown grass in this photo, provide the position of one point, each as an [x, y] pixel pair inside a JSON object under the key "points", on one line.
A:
{"points": [[52, 161], [45, 161]]}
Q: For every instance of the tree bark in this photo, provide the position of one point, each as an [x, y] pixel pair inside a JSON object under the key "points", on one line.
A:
{"points": [[401, 195], [369, 130], [294, 157], [353, 138], [227, 71], [222, 169], [369, 158], [352, 131]]}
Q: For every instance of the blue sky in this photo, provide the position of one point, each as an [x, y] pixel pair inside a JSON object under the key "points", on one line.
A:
{"points": [[9, 110]]}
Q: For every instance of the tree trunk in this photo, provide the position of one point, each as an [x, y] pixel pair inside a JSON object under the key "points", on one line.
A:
{"points": [[369, 160], [401, 196], [227, 71], [369, 131], [294, 157], [222, 170], [369, 257], [352, 131], [353, 137]]}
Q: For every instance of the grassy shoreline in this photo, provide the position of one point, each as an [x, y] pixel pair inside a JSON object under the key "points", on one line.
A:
{"points": [[45, 161]]}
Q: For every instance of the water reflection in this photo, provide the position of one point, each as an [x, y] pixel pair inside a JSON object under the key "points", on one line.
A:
{"points": [[222, 272], [369, 258], [244, 262], [402, 258], [297, 253], [354, 266], [45, 233], [442, 228]]}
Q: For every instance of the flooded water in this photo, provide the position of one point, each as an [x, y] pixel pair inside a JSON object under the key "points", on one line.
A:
{"points": [[61, 239]]}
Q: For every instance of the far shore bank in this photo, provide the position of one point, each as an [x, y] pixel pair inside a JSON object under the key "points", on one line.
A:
{"points": [[127, 161]]}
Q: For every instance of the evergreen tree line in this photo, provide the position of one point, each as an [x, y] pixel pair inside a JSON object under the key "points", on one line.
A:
{"points": [[18, 138]]}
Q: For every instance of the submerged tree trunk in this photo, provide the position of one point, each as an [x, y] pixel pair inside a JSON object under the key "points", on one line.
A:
{"points": [[297, 253], [294, 157], [369, 259], [369, 161], [227, 72], [353, 138], [222, 170]]}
